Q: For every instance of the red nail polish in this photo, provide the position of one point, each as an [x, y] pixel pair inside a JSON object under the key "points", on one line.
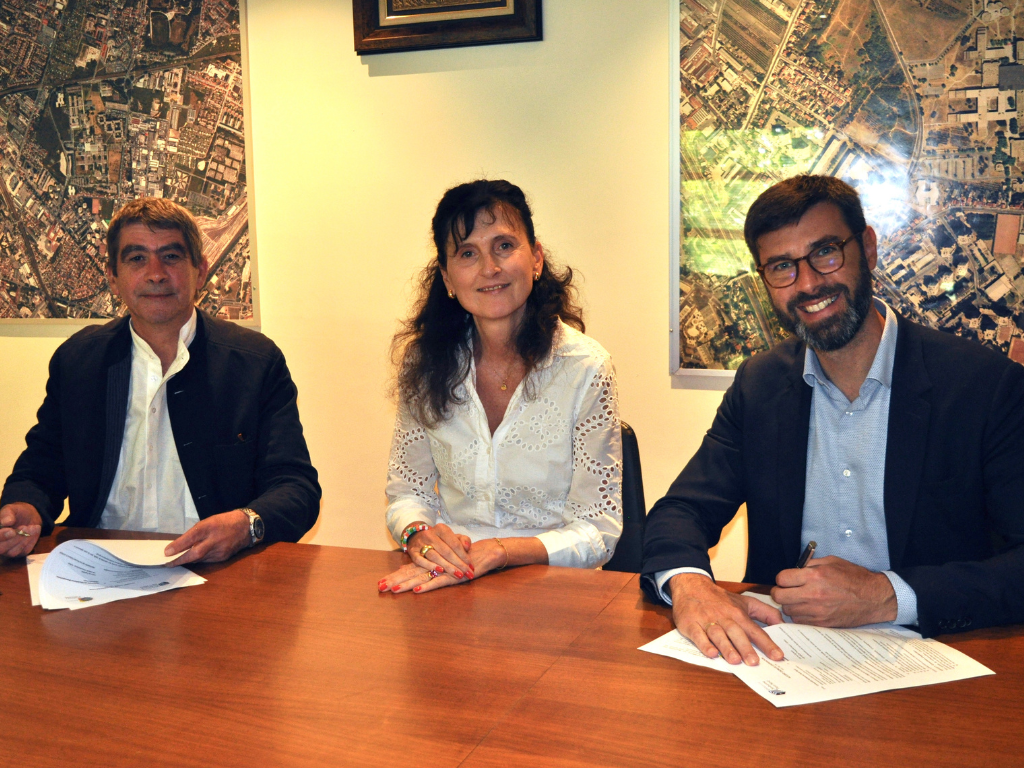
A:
{"points": [[440, 569], [458, 574], [394, 588], [416, 589]]}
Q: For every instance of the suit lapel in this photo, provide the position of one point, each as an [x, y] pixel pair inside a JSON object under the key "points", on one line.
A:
{"points": [[907, 441], [187, 393], [119, 372], [188, 403], [793, 407]]}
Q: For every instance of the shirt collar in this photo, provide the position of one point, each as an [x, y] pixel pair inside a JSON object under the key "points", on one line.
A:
{"points": [[558, 342], [557, 346], [881, 366], [185, 336]]}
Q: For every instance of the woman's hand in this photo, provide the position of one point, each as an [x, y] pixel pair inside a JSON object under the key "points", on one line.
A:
{"points": [[417, 579], [489, 555], [441, 546], [484, 556]]}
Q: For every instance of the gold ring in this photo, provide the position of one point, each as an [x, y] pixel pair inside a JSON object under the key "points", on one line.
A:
{"points": [[425, 548], [709, 626], [431, 575]]}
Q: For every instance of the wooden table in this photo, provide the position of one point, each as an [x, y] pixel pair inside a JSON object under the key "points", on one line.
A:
{"points": [[289, 656]]}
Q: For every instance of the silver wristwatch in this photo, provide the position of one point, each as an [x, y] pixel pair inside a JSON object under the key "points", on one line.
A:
{"points": [[256, 528]]}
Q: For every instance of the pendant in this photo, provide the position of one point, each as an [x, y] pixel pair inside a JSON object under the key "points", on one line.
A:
{"points": [[504, 387]]}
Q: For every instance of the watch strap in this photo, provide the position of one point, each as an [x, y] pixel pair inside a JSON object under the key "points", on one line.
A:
{"points": [[256, 527]]}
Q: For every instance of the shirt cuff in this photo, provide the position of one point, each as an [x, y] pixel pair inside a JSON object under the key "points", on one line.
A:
{"points": [[906, 600], [661, 579], [574, 546]]}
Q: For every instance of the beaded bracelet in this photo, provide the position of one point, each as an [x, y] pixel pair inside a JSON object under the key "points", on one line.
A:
{"points": [[411, 531]]}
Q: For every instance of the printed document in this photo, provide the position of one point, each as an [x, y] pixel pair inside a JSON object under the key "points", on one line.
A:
{"points": [[87, 572], [823, 664]]}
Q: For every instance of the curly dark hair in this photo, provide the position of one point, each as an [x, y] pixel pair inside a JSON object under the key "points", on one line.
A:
{"points": [[432, 348]]}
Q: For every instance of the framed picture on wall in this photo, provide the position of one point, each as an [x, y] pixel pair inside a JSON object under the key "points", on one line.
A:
{"points": [[917, 106], [104, 102], [382, 26]]}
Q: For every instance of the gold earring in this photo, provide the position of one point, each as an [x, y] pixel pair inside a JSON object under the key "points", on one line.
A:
{"points": [[451, 294], [536, 277]]}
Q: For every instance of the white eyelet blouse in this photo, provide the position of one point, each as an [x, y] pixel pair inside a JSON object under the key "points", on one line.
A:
{"points": [[552, 469]]}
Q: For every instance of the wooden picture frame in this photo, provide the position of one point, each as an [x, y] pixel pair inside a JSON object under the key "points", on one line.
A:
{"points": [[384, 26], [880, 95], [181, 131]]}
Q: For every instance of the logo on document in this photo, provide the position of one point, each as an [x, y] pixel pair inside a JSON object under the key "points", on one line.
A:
{"points": [[772, 689]]}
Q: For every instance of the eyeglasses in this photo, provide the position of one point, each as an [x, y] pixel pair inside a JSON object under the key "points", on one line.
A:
{"points": [[824, 259]]}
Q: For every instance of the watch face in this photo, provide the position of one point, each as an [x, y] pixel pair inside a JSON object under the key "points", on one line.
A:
{"points": [[258, 528]]}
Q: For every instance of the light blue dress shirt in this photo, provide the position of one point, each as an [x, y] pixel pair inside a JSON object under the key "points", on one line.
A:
{"points": [[844, 507], [844, 504]]}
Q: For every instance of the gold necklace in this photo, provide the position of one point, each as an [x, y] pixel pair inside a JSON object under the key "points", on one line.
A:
{"points": [[508, 372]]}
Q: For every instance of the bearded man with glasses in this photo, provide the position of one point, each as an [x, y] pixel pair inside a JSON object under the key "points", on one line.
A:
{"points": [[896, 448]]}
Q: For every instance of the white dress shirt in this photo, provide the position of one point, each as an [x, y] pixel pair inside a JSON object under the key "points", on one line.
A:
{"points": [[552, 469], [149, 492]]}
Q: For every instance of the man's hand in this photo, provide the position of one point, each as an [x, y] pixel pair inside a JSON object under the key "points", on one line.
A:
{"points": [[19, 516], [212, 540], [719, 622], [832, 592]]}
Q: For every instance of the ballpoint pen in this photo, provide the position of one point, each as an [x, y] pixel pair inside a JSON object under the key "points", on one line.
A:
{"points": [[807, 554], [19, 532]]}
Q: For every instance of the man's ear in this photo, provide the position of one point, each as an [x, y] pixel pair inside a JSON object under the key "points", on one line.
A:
{"points": [[203, 270], [111, 280], [870, 240]]}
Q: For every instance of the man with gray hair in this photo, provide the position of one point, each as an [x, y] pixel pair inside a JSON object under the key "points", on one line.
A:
{"points": [[167, 419]]}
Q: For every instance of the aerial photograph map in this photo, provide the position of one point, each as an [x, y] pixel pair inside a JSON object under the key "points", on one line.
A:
{"points": [[103, 101], [917, 103]]}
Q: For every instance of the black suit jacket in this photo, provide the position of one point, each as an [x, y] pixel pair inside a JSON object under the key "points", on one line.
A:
{"points": [[953, 490], [233, 413]]}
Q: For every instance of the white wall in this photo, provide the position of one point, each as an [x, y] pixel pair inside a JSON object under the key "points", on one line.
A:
{"points": [[351, 155]]}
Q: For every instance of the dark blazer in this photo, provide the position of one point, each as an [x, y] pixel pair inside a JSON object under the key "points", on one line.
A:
{"points": [[954, 478], [233, 414]]}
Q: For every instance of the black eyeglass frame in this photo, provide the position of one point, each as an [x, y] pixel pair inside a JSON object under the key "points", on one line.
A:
{"points": [[840, 244]]}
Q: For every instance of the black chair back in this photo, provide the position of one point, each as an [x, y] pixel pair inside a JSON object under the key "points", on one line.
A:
{"points": [[629, 552]]}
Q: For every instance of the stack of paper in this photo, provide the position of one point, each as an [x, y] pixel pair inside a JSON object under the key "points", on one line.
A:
{"points": [[87, 572], [824, 664]]}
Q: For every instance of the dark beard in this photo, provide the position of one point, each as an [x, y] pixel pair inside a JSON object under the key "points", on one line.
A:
{"points": [[840, 330]]}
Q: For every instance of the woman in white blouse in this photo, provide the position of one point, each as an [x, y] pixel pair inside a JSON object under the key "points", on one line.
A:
{"points": [[507, 448]]}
